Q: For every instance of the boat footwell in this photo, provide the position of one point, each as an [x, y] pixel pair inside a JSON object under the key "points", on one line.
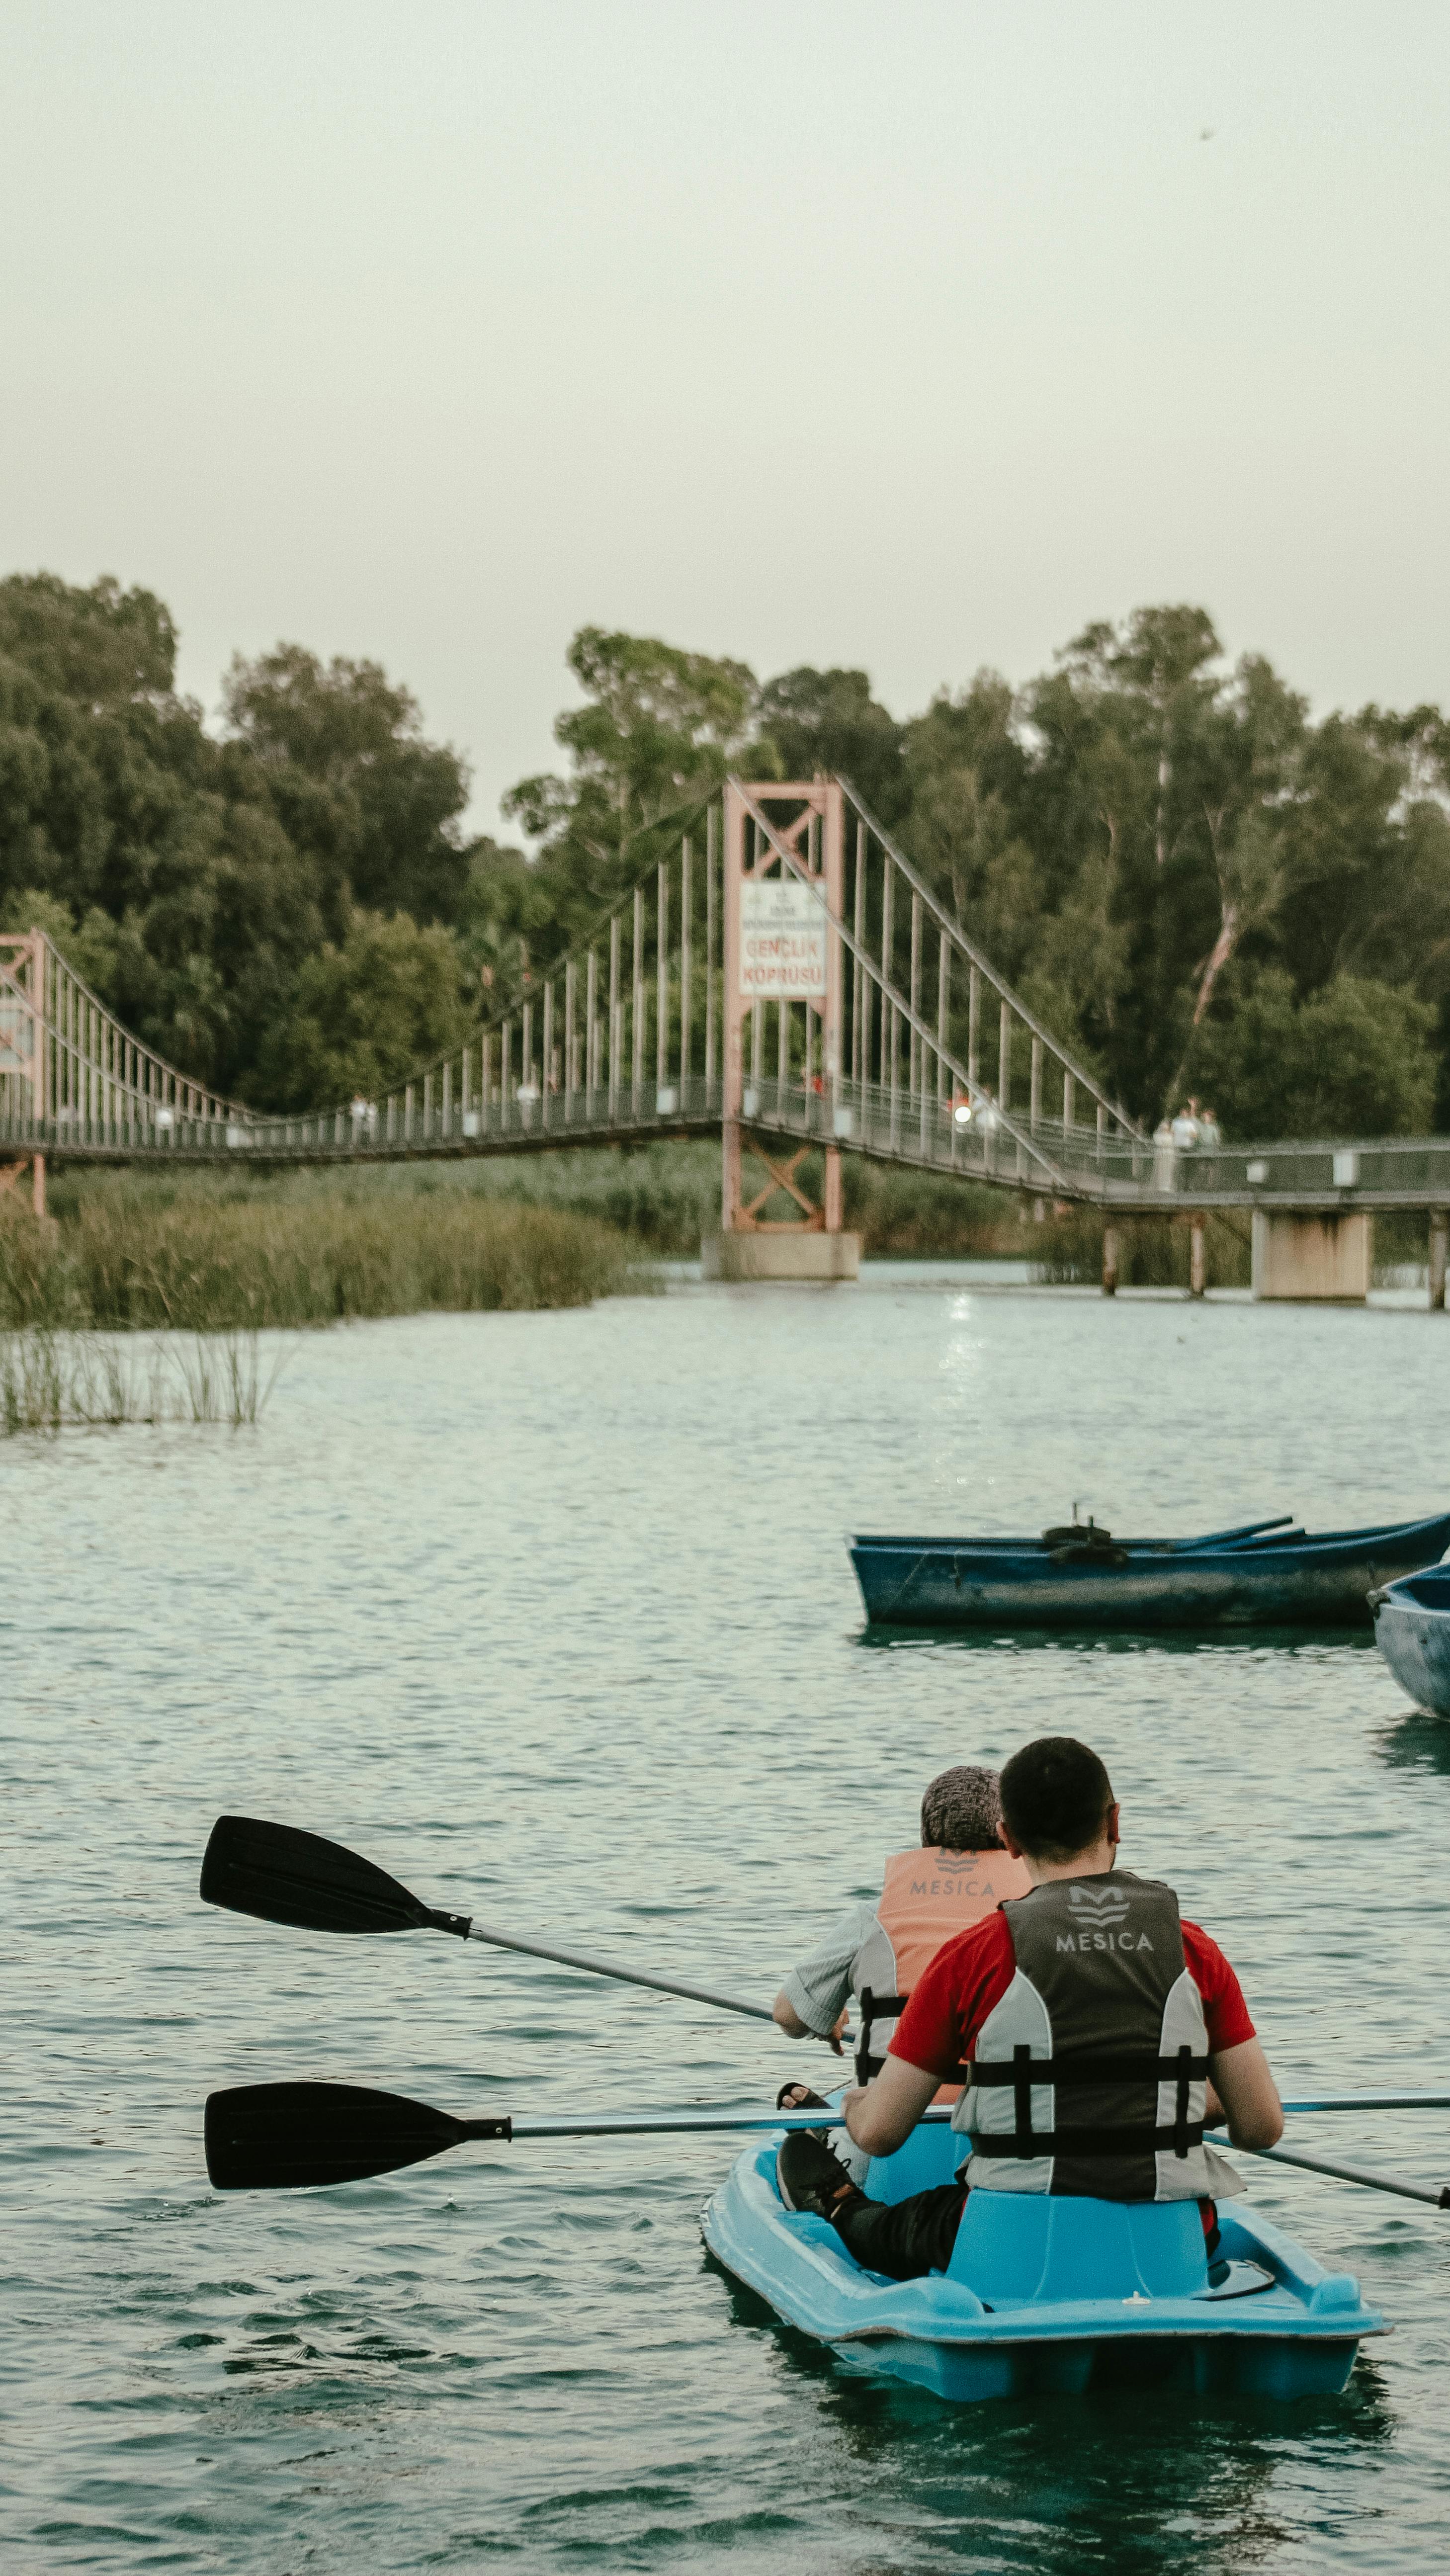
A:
{"points": [[1048, 2296]]}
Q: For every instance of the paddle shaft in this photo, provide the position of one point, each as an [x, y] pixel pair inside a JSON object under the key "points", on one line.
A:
{"points": [[288, 2136], [608, 2124], [1435, 2194], [623, 1976]]}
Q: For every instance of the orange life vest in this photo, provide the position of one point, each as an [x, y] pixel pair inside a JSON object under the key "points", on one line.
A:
{"points": [[928, 1898]]}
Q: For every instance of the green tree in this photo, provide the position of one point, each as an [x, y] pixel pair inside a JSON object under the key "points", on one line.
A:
{"points": [[363, 1012], [117, 805], [357, 786], [1356, 1058], [828, 720], [654, 738]]}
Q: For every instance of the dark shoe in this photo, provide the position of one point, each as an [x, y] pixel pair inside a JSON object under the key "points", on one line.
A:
{"points": [[809, 2101], [809, 2175]]}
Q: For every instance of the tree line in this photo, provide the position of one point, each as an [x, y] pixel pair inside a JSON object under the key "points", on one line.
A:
{"points": [[1198, 887]]}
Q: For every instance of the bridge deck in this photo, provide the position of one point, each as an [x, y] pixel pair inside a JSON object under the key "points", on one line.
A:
{"points": [[922, 1131]]}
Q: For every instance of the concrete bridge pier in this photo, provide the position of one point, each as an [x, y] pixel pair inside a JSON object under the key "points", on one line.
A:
{"points": [[1311, 1260], [1439, 1229]]}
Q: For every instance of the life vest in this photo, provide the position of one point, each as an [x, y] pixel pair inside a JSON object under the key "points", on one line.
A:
{"points": [[1088, 2077], [927, 1899]]}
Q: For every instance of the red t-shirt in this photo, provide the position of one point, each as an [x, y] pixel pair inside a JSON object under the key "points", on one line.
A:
{"points": [[970, 1975]]}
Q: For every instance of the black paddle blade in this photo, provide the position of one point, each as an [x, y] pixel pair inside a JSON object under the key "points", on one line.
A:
{"points": [[287, 1876], [282, 2137]]}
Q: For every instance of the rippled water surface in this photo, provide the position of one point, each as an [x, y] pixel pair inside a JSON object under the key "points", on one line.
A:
{"points": [[552, 1614]]}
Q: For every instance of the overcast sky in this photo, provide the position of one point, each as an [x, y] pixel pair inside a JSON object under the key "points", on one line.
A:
{"points": [[912, 334]]}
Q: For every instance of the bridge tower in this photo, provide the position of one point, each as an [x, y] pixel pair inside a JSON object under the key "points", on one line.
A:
{"points": [[783, 889], [22, 1049]]}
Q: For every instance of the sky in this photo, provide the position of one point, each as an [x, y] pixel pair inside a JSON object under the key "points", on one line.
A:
{"points": [[911, 335]]}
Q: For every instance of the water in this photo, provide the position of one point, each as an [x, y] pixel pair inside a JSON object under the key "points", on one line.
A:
{"points": [[552, 1614]]}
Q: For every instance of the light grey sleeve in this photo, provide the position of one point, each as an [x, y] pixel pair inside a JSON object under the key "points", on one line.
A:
{"points": [[818, 1990]]}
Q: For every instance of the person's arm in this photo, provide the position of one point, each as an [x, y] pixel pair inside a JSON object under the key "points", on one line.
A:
{"points": [[813, 2001], [1244, 2093], [784, 2014], [881, 2115]]}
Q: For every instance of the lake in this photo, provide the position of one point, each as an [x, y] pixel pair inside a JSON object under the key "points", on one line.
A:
{"points": [[552, 1615]]}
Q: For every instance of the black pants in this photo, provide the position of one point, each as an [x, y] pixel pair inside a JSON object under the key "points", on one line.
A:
{"points": [[915, 2236], [918, 2234]]}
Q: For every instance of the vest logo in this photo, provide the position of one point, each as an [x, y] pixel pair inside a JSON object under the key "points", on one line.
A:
{"points": [[1097, 1910], [1097, 1916]]}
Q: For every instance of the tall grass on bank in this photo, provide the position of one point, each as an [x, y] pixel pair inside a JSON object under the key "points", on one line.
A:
{"points": [[50, 1379], [662, 1196], [122, 1258]]}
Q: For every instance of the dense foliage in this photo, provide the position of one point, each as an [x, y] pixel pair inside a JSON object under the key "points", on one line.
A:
{"points": [[1193, 882]]}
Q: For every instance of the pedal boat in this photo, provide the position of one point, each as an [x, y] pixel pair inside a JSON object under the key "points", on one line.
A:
{"points": [[1047, 2296], [1412, 1632]]}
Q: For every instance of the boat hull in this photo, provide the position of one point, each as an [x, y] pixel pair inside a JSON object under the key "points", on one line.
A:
{"points": [[968, 1583], [1047, 2297], [1412, 1632]]}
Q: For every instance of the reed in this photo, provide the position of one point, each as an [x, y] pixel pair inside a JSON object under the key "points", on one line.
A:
{"points": [[50, 1379], [126, 1257]]}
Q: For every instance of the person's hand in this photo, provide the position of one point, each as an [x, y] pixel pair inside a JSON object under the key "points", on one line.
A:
{"points": [[835, 2039]]}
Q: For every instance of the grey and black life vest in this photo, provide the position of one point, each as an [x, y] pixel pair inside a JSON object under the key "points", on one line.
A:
{"points": [[1088, 2077]]}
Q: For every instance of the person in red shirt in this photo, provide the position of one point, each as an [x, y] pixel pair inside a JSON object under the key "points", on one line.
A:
{"points": [[1135, 2017]]}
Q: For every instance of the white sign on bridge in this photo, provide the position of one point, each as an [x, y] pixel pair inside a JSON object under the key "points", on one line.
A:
{"points": [[783, 931]]}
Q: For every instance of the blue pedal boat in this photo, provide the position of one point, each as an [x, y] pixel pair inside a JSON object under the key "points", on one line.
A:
{"points": [[1412, 1632], [1262, 1576], [1047, 2296]]}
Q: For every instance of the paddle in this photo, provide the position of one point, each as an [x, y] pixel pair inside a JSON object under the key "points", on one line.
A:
{"points": [[277, 2137], [303, 1880], [1224, 1538]]}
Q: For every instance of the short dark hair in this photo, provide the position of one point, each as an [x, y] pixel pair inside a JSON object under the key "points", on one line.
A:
{"points": [[1055, 1797], [961, 1810]]}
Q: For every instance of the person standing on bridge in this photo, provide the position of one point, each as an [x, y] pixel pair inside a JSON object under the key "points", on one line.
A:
{"points": [[955, 1876]]}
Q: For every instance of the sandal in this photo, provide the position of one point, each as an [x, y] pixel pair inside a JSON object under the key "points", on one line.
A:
{"points": [[795, 2096]]}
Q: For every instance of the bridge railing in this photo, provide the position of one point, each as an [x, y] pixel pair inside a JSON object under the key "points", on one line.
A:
{"points": [[65, 1060], [926, 958]]}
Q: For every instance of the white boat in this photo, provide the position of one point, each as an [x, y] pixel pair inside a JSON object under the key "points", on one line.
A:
{"points": [[1412, 1632]]}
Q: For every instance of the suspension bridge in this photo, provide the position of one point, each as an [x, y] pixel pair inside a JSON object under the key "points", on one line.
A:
{"points": [[785, 980]]}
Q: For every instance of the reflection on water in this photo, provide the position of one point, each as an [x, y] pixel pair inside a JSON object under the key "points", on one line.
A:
{"points": [[1053, 2486], [1417, 1742], [553, 1616], [882, 1635]]}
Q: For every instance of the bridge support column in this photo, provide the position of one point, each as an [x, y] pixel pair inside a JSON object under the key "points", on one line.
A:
{"points": [[792, 959], [1439, 1228], [1197, 1256], [12, 1173], [1320, 1260], [1110, 1260]]}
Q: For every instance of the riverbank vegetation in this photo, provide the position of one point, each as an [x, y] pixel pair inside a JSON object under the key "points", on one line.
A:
{"points": [[1197, 885], [51, 1379], [124, 1254]]}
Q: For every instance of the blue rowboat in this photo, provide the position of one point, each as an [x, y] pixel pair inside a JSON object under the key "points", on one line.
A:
{"points": [[1045, 2296], [1412, 1632], [1263, 1576]]}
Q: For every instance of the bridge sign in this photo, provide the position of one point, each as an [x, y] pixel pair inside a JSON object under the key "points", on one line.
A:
{"points": [[783, 933]]}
